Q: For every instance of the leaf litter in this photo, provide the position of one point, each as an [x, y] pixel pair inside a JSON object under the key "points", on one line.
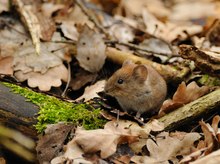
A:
{"points": [[38, 51]]}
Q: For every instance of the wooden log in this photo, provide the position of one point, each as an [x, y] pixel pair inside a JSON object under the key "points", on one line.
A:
{"points": [[189, 112], [17, 113]]}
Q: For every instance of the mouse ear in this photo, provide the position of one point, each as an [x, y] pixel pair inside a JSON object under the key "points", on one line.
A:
{"points": [[140, 73], [127, 62]]}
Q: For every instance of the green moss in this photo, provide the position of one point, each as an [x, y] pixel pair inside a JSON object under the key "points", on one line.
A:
{"points": [[53, 110], [209, 80]]}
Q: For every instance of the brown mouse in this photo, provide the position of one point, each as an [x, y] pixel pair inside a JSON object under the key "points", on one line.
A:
{"points": [[138, 88]]}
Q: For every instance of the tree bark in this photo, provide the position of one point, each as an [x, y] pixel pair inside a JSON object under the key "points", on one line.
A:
{"points": [[190, 111], [17, 113]]}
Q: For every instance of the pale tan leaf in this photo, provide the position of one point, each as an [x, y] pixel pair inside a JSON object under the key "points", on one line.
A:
{"points": [[48, 8], [213, 158], [91, 91], [135, 8], [169, 31], [210, 141], [75, 15], [52, 54], [124, 159], [51, 78], [6, 65], [215, 123], [11, 37], [104, 140], [91, 50], [158, 149], [198, 9], [122, 33], [193, 156], [73, 153], [4, 6], [146, 159], [69, 30], [47, 26]]}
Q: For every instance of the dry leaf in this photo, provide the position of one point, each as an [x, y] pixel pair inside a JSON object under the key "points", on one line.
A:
{"points": [[51, 143], [125, 159], [12, 36], [47, 26], [183, 95], [73, 154], [48, 8], [158, 148], [69, 30], [211, 133], [169, 31], [134, 8], [193, 156], [4, 5], [157, 46], [91, 91], [25, 59], [90, 50], [44, 81], [213, 158], [198, 9], [208, 145], [6, 64], [121, 32], [74, 15], [104, 140], [27, 65], [81, 78]]}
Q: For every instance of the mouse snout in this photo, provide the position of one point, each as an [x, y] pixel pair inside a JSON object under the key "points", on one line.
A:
{"points": [[108, 89]]}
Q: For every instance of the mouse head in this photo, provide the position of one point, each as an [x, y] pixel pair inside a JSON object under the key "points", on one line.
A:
{"points": [[126, 80]]}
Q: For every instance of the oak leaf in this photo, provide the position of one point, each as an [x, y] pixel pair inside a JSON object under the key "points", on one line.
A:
{"points": [[183, 95], [177, 147]]}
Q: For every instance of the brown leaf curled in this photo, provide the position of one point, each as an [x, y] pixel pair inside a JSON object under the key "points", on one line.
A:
{"points": [[183, 95]]}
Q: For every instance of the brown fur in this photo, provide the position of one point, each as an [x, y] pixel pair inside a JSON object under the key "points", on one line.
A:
{"points": [[143, 88]]}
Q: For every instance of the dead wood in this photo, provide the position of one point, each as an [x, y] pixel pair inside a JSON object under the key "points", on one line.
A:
{"points": [[17, 113], [207, 61], [189, 112], [168, 72]]}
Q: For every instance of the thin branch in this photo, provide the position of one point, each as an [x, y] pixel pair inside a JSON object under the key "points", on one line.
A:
{"points": [[137, 47], [68, 80]]}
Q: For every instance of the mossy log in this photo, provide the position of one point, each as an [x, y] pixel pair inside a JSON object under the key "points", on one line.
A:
{"points": [[17, 113], [26, 110], [191, 111]]}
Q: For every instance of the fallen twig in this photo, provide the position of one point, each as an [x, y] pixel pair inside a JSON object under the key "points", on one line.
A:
{"points": [[168, 72]]}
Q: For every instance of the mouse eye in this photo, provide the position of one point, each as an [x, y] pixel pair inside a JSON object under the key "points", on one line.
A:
{"points": [[120, 81]]}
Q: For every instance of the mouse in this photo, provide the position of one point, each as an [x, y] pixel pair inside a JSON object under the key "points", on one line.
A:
{"points": [[138, 88]]}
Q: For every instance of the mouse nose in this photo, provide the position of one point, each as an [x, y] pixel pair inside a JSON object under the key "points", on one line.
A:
{"points": [[107, 89]]}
